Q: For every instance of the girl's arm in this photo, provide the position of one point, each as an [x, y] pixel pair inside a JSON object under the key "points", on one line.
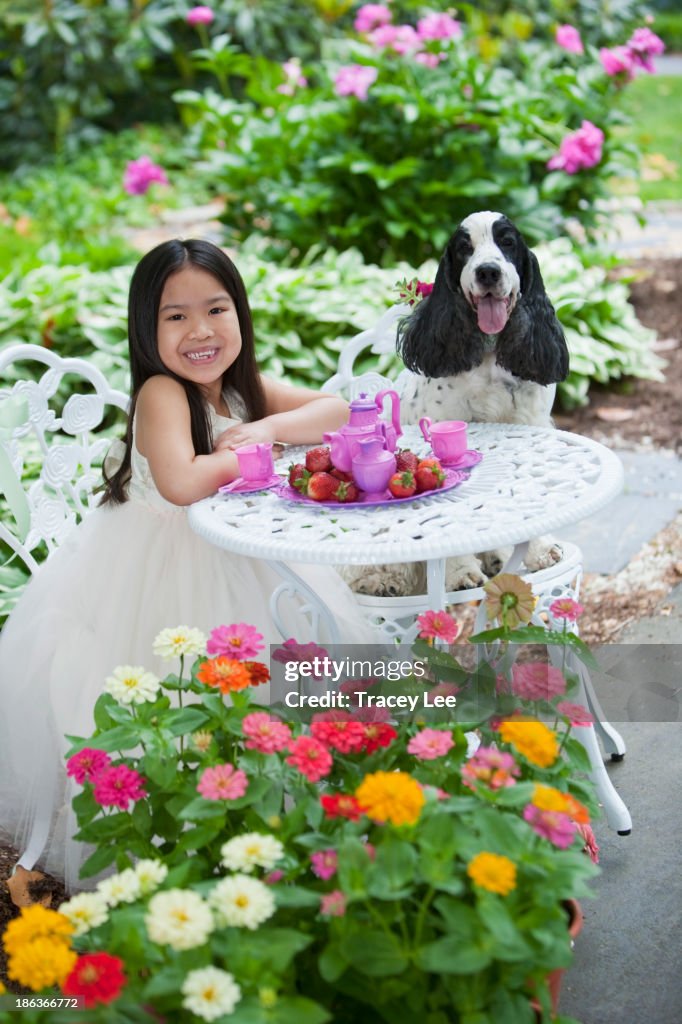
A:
{"points": [[294, 415], [163, 435]]}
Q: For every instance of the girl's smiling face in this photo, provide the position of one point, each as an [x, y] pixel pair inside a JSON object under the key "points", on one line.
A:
{"points": [[198, 333]]}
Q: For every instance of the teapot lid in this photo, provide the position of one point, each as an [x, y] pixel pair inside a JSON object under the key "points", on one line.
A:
{"points": [[363, 401]]}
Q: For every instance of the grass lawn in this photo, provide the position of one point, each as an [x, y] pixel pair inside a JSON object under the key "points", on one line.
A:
{"points": [[654, 102]]}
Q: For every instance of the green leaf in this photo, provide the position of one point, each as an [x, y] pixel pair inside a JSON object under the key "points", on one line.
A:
{"points": [[97, 861], [295, 896], [297, 1010], [200, 809], [453, 955], [374, 953], [180, 721], [332, 963]]}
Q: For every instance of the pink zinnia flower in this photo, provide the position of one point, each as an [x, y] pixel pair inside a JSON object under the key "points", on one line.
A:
{"points": [[438, 26], [222, 782], [333, 904], [429, 60], [87, 764], [644, 44], [430, 744], [537, 681], [294, 79], [617, 61], [310, 757], [140, 174], [345, 735], [577, 714], [273, 877], [238, 641], [291, 650], [324, 863], [354, 80], [265, 734], [569, 39], [438, 625], [117, 786], [370, 16], [495, 768], [566, 608], [578, 150], [590, 846], [406, 40], [553, 825], [200, 16]]}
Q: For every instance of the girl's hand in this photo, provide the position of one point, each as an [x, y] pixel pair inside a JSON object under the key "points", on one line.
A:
{"points": [[258, 432]]}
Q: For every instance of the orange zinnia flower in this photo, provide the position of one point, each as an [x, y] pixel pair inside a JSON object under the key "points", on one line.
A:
{"points": [[225, 673], [259, 672]]}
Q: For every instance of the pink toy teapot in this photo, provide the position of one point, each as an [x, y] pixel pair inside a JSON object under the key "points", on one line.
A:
{"points": [[363, 424]]}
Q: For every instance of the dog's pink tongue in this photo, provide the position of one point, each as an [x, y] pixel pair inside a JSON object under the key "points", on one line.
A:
{"points": [[492, 314]]}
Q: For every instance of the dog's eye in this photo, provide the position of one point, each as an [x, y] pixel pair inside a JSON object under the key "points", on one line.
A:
{"points": [[506, 242], [464, 248]]}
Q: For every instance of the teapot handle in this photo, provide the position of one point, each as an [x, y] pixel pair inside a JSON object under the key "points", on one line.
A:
{"points": [[424, 425], [395, 407]]}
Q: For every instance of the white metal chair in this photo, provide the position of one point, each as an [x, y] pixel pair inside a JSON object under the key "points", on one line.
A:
{"points": [[394, 615]]}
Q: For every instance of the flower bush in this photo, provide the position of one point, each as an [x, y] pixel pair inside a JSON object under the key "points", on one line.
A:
{"points": [[343, 870]]}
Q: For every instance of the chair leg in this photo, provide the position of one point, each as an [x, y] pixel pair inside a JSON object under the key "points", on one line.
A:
{"points": [[611, 740], [617, 814]]}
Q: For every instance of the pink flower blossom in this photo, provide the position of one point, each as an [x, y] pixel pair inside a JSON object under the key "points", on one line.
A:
{"points": [[370, 850], [200, 16], [438, 26], [444, 690], [370, 16], [439, 625], [310, 757], [617, 61], [354, 80], [222, 782], [406, 40], [566, 608], [140, 174], [579, 149], [294, 78], [291, 651], [577, 714], [273, 877], [343, 734], [265, 734], [536, 681], [383, 37], [644, 44], [324, 863], [430, 744], [117, 785], [553, 825], [333, 904], [495, 768], [87, 764], [430, 60], [569, 39], [238, 641], [590, 847]]}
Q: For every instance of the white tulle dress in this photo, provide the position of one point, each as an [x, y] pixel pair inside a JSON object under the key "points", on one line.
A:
{"points": [[127, 572]]}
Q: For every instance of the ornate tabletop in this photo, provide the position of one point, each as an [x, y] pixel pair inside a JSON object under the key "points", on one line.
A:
{"points": [[531, 481]]}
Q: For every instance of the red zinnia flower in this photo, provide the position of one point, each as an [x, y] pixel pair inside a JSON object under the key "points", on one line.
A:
{"points": [[341, 805], [348, 737], [97, 977], [378, 734]]}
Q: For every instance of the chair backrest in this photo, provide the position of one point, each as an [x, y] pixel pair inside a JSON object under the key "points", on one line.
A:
{"points": [[57, 452], [380, 340]]}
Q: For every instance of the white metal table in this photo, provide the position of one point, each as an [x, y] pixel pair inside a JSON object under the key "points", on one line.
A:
{"points": [[531, 481]]}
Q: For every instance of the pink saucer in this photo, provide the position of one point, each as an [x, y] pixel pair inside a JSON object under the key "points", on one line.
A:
{"points": [[241, 486], [464, 461]]}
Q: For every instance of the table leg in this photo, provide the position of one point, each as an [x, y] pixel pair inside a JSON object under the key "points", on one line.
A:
{"points": [[435, 584], [316, 613]]}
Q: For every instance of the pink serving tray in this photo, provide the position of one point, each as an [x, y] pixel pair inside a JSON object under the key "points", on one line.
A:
{"points": [[452, 478]]}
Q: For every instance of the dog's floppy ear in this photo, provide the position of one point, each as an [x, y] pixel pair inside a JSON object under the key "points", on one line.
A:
{"points": [[440, 338], [532, 345]]}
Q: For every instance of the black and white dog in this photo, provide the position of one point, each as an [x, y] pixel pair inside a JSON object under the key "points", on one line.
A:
{"points": [[485, 346]]}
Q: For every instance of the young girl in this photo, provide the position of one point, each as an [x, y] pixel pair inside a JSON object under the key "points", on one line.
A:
{"points": [[134, 566]]}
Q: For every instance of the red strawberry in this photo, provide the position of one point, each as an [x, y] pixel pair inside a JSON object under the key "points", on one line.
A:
{"points": [[402, 485], [341, 474], [321, 487], [346, 491], [297, 471], [406, 461], [430, 463], [318, 460], [429, 478]]}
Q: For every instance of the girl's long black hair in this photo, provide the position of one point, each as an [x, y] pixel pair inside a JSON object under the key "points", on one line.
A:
{"points": [[144, 300]]}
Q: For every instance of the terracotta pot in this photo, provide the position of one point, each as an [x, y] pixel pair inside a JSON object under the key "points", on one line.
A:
{"points": [[556, 977]]}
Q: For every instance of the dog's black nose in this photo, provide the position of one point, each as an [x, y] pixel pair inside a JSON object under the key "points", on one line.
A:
{"points": [[488, 274]]}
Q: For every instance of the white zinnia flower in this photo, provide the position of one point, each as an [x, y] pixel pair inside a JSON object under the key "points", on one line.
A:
{"points": [[86, 910], [242, 902], [130, 684], [244, 853], [210, 993], [121, 888], [150, 875], [171, 643], [178, 918]]}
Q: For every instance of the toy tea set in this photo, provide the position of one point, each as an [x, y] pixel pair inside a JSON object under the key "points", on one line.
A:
{"points": [[360, 464]]}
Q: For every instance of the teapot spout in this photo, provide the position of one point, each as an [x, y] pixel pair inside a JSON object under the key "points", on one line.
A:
{"points": [[339, 450]]}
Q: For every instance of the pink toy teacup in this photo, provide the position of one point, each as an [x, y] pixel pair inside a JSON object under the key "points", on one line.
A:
{"points": [[255, 461], [448, 439]]}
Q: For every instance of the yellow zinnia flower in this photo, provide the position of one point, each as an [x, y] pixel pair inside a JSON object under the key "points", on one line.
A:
{"points": [[509, 599], [492, 872], [536, 741], [41, 964], [36, 922], [547, 798], [391, 796]]}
